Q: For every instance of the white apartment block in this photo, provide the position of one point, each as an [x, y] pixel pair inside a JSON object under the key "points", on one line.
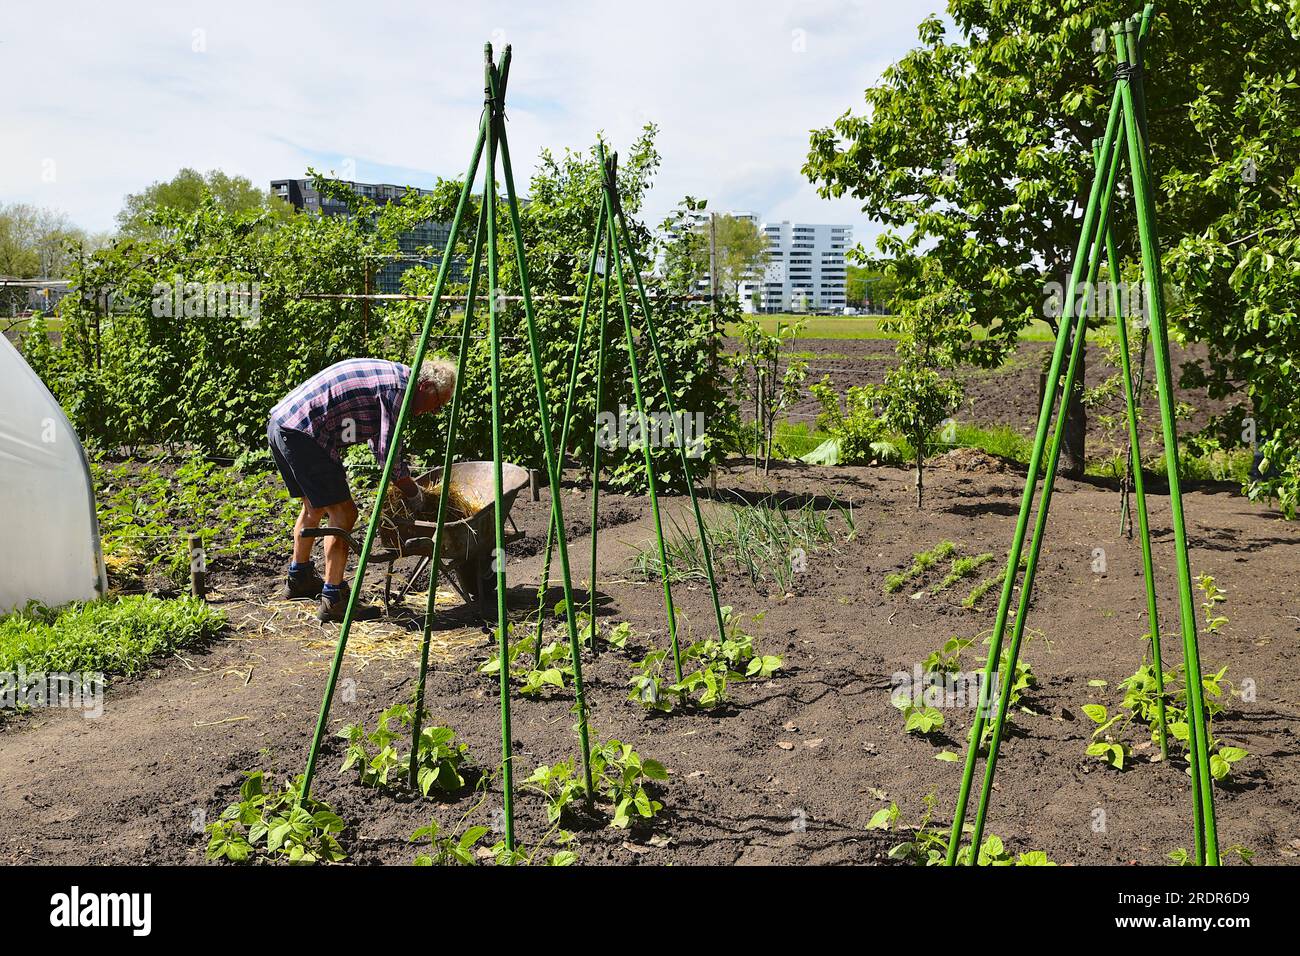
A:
{"points": [[805, 271]]}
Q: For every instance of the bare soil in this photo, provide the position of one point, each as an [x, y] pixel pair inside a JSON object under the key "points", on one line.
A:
{"points": [[794, 768]]}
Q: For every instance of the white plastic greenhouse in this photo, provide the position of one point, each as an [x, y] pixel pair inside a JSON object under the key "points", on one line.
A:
{"points": [[49, 536]]}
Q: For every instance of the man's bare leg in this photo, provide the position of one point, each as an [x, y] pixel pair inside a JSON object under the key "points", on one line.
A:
{"points": [[308, 517], [342, 515]]}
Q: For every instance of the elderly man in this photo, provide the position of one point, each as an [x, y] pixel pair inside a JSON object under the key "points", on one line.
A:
{"points": [[353, 401]]}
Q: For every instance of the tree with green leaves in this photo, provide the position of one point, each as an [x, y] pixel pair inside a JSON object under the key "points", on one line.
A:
{"points": [[869, 287], [132, 369], [741, 252], [772, 376], [37, 242], [975, 153], [184, 193]]}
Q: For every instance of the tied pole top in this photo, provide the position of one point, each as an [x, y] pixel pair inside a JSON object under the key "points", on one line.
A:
{"points": [[496, 76], [610, 166]]}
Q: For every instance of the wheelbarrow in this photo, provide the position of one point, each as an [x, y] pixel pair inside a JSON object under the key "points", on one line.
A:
{"points": [[468, 534]]}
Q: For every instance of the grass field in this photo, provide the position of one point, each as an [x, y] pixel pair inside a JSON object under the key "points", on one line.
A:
{"points": [[862, 327]]}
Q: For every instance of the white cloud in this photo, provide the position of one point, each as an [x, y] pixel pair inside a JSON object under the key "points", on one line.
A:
{"points": [[116, 95]]}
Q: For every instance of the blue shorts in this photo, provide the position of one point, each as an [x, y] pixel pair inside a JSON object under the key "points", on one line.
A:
{"points": [[307, 468]]}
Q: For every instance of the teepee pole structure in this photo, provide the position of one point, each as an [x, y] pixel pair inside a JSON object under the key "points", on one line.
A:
{"points": [[1128, 48], [345, 628], [492, 141], [574, 367], [1126, 126], [453, 421], [553, 463]]}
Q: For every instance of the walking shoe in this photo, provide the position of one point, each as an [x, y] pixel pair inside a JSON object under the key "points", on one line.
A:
{"points": [[332, 610], [302, 584]]}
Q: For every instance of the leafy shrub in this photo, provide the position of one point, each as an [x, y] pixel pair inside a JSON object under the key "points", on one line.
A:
{"points": [[861, 436]]}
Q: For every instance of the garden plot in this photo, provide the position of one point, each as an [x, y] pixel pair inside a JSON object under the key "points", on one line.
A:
{"points": [[794, 768]]}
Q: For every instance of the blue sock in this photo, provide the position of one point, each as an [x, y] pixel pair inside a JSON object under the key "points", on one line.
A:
{"points": [[298, 567], [332, 590]]}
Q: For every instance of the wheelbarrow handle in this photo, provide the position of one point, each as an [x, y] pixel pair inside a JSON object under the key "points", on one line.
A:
{"points": [[383, 556]]}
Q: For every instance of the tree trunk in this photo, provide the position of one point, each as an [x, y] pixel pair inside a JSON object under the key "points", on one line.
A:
{"points": [[920, 465], [1073, 443]]}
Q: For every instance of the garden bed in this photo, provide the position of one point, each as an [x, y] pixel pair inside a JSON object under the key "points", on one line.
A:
{"points": [[794, 768]]}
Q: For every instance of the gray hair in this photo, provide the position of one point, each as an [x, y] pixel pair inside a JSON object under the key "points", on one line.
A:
{"points": [[438, 375]]}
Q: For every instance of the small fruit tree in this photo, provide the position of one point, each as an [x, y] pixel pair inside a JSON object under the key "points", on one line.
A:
{"points": [[919, 393]]}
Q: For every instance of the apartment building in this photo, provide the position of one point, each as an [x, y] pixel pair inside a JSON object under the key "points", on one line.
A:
{"points": [[806, 270], [421, 246]]}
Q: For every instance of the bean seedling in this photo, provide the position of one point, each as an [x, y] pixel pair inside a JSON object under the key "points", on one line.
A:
{"points": [[1214, 596], [1140, 703], [716, 664], [373, 753], [619, 773], [279, 823], [928, 844]]}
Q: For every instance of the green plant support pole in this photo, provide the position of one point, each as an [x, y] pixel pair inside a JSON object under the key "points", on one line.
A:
{"points": [[564, 429], [633, 366], [1107, 173], [498, 555], [1128, 44], [363, 559], [552, 463], [1027, 498], [595, 440], [678, 424], [1135, 469], [453, 420]]}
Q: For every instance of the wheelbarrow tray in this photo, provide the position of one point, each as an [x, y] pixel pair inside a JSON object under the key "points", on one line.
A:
{"points": [[467, 538]]}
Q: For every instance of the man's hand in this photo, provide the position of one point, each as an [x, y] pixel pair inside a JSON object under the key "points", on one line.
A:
{"points": [[414, 499]]}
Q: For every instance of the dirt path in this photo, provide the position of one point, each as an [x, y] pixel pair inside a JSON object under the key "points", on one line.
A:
{"points": [[793, 771]]}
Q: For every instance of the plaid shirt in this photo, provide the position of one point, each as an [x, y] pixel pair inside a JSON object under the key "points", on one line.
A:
{"points": [[350, 402]]}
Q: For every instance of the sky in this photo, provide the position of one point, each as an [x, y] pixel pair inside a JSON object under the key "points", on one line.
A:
{"points": [[114, 96]]}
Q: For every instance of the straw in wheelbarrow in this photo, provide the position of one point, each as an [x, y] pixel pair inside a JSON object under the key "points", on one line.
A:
{"points": [[459, 505]]}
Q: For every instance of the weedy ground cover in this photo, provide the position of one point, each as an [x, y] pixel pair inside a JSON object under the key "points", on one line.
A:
{"points": [[112, 635], [148, 510]]}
